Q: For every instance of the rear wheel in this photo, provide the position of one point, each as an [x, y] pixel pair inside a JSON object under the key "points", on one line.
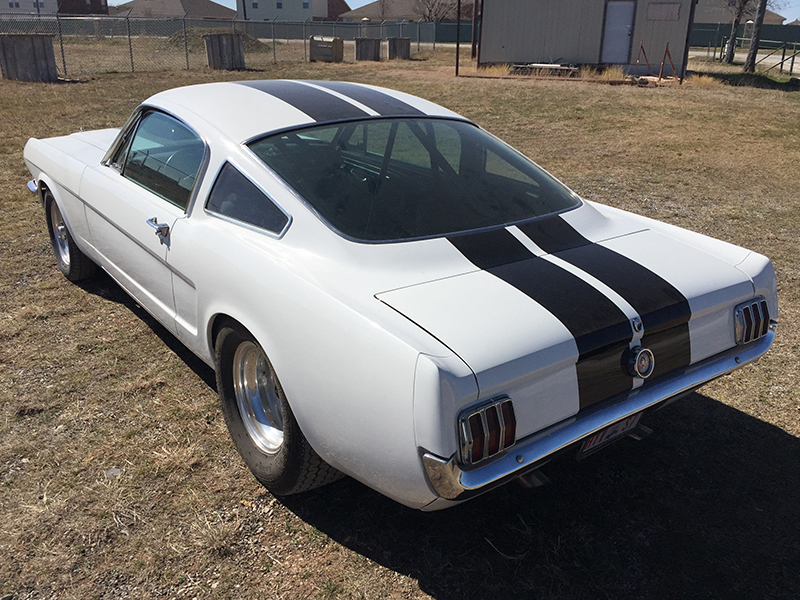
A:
{"points": [[73, 263], [259, 418]]}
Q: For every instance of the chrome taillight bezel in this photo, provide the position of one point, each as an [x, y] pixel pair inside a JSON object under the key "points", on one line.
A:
{"points": [[480, 424], [751, 321]]}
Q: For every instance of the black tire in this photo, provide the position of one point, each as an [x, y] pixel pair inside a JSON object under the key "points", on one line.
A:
{"points": [[73, 263], [284, 466]]}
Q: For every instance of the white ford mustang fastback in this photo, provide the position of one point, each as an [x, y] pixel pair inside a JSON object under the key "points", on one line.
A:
{"points": [[387, 291]]}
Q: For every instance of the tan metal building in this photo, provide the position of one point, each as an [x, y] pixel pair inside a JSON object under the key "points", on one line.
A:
{"points": [[585, 32]]}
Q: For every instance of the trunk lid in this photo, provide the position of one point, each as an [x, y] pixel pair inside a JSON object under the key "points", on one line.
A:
{"points": [[548, 316]]}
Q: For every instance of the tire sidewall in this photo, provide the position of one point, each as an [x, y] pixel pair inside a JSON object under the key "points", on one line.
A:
{"points": [[278, 471], [49, 200]]}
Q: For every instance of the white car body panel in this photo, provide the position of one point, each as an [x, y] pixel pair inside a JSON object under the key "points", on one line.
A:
{"points": [[532, 354], [126, 244], [380, 347]]}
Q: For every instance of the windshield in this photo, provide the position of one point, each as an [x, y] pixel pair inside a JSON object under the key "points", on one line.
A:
{"points": [[401, 179]]}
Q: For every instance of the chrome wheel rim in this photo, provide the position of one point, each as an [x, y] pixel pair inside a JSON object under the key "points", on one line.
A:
{"points": [[59, 233], [255, 384]]}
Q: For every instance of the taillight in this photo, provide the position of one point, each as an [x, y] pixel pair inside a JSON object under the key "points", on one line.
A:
{"points": [[487, 430], [751, 321]]}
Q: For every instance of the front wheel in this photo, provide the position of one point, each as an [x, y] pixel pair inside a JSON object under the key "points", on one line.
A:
{"points": [[73, 263], [259, 418]]}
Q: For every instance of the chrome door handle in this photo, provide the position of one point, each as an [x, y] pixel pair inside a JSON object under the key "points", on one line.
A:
{"points": [[162, 229]]}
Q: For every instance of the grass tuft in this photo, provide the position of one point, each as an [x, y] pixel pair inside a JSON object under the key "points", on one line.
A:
{"points": [[118, 479]]}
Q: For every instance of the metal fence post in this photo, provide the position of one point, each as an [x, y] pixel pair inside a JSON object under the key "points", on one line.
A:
{"points": [[418, 26], [783, 57], [434, 36], [130, 43], [274, 56], [61, 43], [185, 44], [305, 39]]}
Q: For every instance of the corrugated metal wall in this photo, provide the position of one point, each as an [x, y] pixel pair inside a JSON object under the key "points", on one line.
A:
{"points": [[571, 31], [656, 34], [564, 31]]}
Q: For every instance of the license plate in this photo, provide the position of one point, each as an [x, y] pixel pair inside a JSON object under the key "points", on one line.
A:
{"points": [[607, 435]]}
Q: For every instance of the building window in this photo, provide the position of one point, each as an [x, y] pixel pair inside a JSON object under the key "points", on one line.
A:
{"points": [[279, 4], [255, 3], [305, 4]]}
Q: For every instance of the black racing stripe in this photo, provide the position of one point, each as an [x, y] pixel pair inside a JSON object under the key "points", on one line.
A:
{"points": [[553, 234], [319, 105], [671, 347], [381, 103], [664, 310], [490, 249], [601, 330], [658, 302], [602, 374]]}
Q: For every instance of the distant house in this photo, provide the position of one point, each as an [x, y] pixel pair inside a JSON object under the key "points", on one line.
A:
{"points": [[795, 22], [51, 7], [409, 10], [27, 7], [717, 12], [190, 9], [584, 32], [82, 7], [291, 10]]}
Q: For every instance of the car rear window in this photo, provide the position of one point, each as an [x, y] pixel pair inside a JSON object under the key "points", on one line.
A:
{"points": [[400, 179]]}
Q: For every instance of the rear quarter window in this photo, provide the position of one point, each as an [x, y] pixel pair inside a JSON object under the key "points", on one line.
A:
{"points": [[235, 197]]}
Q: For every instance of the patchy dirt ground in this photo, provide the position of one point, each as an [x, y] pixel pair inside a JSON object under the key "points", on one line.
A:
{"points": [[118, 480]]}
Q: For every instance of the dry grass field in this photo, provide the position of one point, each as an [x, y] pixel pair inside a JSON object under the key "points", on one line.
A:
{"points": [[118, 480]]}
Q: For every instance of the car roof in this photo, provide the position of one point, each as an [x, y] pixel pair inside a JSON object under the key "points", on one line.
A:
{"points": [[243, 110]]}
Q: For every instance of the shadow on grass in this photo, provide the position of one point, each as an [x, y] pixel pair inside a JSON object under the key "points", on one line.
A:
{"points": [[754, 80], [102, 285], [707, 507]]}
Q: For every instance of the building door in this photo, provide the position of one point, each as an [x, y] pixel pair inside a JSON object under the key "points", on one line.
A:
{"points": [[618, 31]]}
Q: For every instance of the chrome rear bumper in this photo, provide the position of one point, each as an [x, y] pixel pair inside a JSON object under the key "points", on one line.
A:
{"points": [[451, 482]]}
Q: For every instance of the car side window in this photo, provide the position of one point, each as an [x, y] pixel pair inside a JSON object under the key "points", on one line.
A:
{"points": [[164, 157], [236, 197]]}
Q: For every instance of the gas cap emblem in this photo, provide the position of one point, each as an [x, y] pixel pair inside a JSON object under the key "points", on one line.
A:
{"points": [[641, 362]]}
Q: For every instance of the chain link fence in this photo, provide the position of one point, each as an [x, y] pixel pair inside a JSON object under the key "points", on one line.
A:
{"points": [[89, 45]]}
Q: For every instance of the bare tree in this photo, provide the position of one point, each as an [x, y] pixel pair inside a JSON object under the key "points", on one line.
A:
{"points": [[737, 9], [750, 63], [382, 8], [740, 9], [436, 10]]}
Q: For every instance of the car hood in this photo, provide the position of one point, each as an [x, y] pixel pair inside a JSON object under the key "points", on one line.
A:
{"points": [[561, 302]]}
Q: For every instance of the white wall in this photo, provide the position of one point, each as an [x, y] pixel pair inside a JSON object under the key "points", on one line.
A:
{"points": [[571, 31], [291, 10]]}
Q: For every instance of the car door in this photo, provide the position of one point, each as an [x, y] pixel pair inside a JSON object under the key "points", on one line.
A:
{"points": [[134, 200]]}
